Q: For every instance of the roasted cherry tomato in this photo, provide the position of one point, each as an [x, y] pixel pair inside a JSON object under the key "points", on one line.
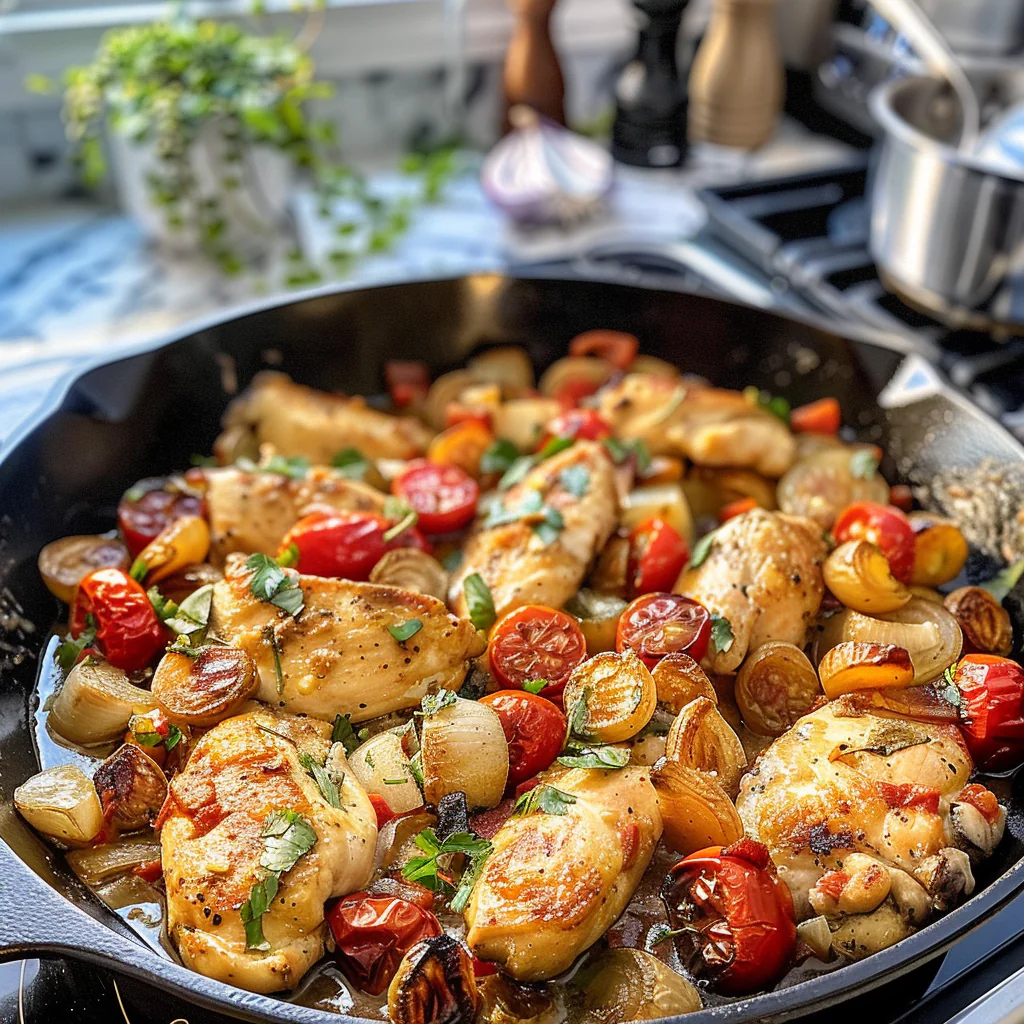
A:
{"points": [[884, 526], [737, 916], [127, 629], [345, 544], [536, 642], [408, 382], [821, 417], [658, 624], [657, 555], [581, 424], [736, 508], [148, 507], [617, 347], [902, 497], [381, 809], [444, 496], [991, 689], [573, 390], [534, 729], [373, 933]]}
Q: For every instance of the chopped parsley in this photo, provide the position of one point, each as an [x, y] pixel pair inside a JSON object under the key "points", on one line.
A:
{"points": [[543, 799], [403, 515], [547, 522], [326, 780], [622, 450], [701, 550], [191, 617], [70, 650], [863, 464], [721, 633], [516, 472], [344, 734], [287, 836], [577, 715], [774, 404], [550, 526], [434, 702], [351, 463], [294, 466], [271, 583], [405, 630], [152, 738], [596, 757], [183, 645], [428, 871], [479, 601], [452, 560], [499, 457]]}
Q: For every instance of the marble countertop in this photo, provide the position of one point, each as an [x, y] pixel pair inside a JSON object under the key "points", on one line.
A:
{"points": [[77, 280]]}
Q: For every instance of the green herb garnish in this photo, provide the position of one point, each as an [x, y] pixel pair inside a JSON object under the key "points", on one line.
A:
{"points": [[70, 650], [479, 601], [499, 457], [722, 635], [405, 630], [403, 515], [596, 757], [271, 583], [270, 637], [344, 734], [294, 466], [434, 702], [701, 550], [575, 479], [863, 464], [351, 463], [326, 780], [428, 871], [192, 616], [535, 685], [543, 799]]}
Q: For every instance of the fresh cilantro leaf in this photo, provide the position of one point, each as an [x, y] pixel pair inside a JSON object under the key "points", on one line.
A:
{"points": [[193, 614], [530, 504], [271, 583], [721, 633], [702, 549], [403, 515], [289, 557], [434, 702], [863, 464], [327, 781], [344, 734], [351, 463], [174, 737], [499, 457], [289, 598], [405, 630], [553, 447], [575, 479], [479, 601], [596, 757], [543, 799], [1004, 581], [428, 871], [550, 526], [261, 896], [70, 650], [270, 637], [535, 685], [139, 569], [516, 473]]}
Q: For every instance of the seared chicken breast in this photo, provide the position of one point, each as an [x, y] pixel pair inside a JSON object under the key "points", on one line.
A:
{"points": [[337, 656], [212, 840], [251, 512], [522, 566], [298, 420], [710, 426], [867, 820], [556, 882], [763, 573]]}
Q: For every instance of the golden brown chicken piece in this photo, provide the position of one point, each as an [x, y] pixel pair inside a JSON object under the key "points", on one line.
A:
{"points": [[240, 772], [251, 512], [556, 882], [763, 573], [298, 420], [337, 656], [514, 560], [710, 426], [865, 817]]}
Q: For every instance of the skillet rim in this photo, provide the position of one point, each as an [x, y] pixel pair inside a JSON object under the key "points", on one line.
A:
{"points": [[137, 960]]}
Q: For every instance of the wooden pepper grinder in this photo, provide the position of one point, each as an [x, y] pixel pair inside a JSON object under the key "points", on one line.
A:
{"points": [[737, 83], [533, 76]]}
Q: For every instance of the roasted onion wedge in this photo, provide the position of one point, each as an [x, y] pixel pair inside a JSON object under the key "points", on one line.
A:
{"points": [[856, 665], [630, 984], [678, 679], [700, 738], [96, 702], [434, 984], [132, 788], [412, 569], [618, 696], [775, 686], [696, 812], [859, 575], [205, 688], [64, 563]]}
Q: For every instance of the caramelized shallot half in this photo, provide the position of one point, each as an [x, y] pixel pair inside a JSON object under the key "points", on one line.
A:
{"points": [[696, 812], [204, 688], [618, 696], [678, 679], [132, 788], [855, 666], [383, 769], [775, 686], [96, 703], [700, 738], [434, 984], [630, 984], [412, 569], [859, 575], [64, 563], [985, 623]]}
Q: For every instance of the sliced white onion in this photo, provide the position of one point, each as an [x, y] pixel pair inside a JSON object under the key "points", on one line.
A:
{"points": [[384, 770], [62, 803], [464, 750], [95, 703], [97, 864]]}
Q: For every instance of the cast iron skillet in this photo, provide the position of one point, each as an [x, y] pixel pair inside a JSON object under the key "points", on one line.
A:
{"points": [[147, 413]]}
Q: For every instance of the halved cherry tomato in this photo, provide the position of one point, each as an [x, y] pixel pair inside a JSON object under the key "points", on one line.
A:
{"points": [[444, 496], [407, 381], [581, 424], [345, 544], [884, 526], [381, 809], [617, 347], [902, 497], [737, 916], [821, 417], [573, 390], [146, 509], [373, 933], [127, 629], [736, 508], [535, 642], [462, 445], [991, 690], [534, 729], [657, 555], [658, 624]]}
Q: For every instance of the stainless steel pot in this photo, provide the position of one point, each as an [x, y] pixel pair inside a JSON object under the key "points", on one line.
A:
{"points": [[986, 27], [947, 230]]}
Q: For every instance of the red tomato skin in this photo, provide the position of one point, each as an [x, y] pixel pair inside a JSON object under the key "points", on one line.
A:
{"points": [[617, 347], [534, 729], [991, 689], [640, 627], [373, 933], [821, 417], [753, 901], [536, 642], [142, 520], [407, 381], [657, 555], [346, 545], [149, 870], [381, 809], [444, 497], [883, 525], [581, 424], [127, 627], [574, 390]]}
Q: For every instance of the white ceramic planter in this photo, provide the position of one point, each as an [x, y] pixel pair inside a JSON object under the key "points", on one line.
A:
{"points": [[256, 212]]}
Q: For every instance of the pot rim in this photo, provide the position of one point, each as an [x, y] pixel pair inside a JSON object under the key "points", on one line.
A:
{"points": [[882, 106]]}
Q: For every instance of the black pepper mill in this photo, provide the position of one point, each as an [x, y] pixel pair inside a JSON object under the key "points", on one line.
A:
{"points": [[650, 115]]}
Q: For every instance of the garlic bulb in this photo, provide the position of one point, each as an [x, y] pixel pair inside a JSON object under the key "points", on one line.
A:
{"points": [[95, 703], [464, 750], [61, 802]]}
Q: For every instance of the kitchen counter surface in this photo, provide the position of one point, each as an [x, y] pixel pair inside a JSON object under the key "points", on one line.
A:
{"points": [[77, 281]]}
